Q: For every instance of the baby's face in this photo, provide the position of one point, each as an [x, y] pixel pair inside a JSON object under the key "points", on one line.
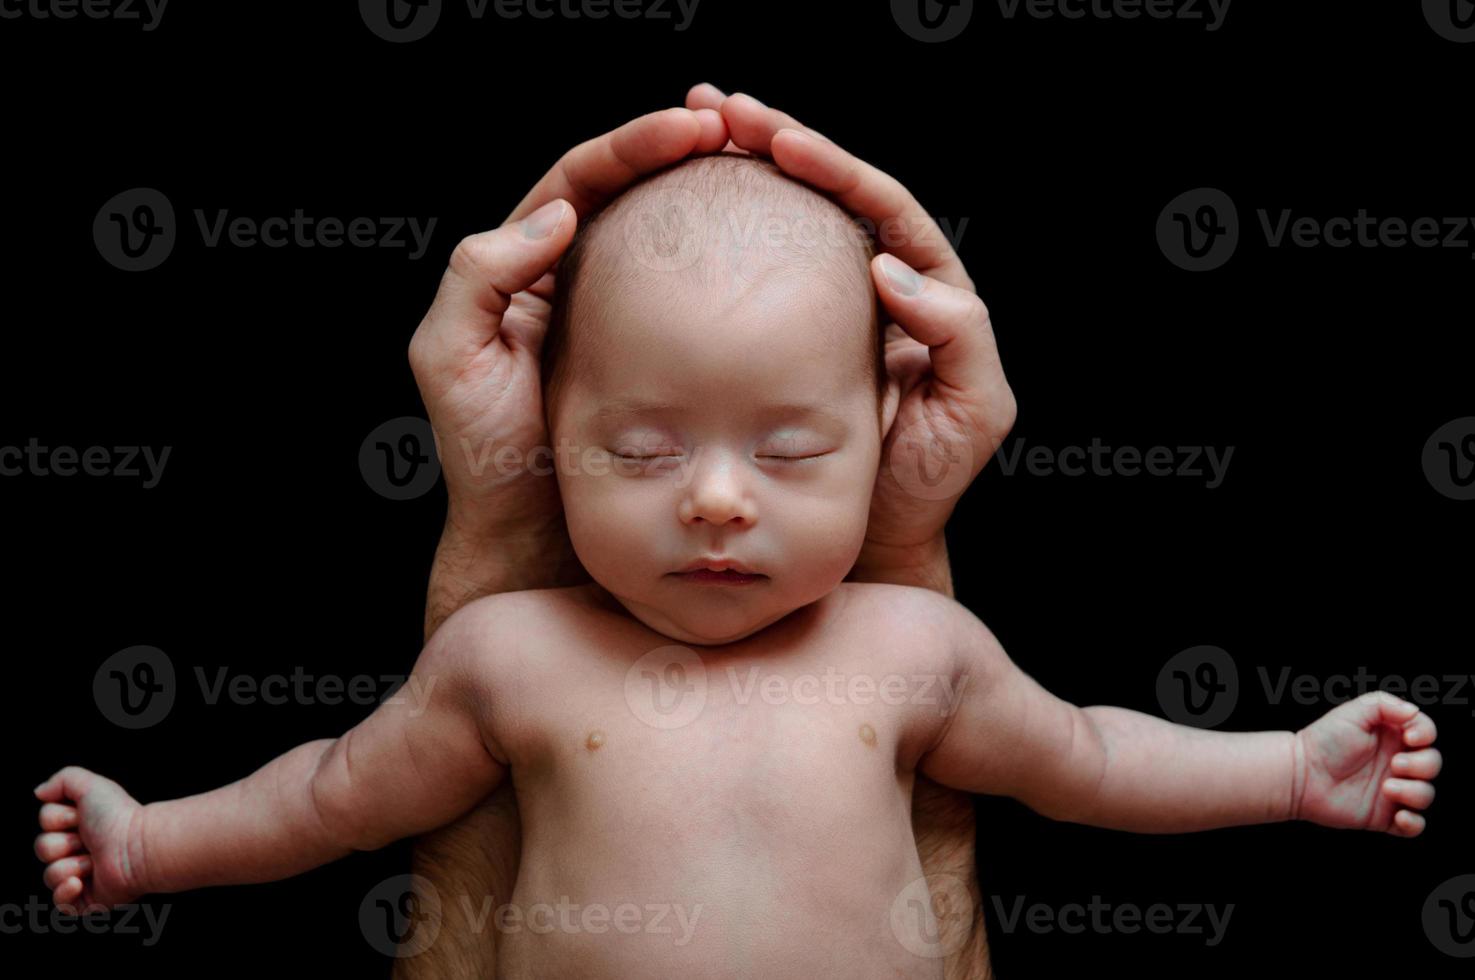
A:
{"points": [[726, 417]]}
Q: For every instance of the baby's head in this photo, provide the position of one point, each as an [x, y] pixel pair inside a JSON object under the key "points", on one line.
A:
{"points": [[715, 382]]}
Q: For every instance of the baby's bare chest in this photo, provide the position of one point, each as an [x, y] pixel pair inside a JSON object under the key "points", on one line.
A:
{"points": [[800, 735]]}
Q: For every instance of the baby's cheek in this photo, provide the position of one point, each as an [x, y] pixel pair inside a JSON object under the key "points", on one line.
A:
{"points": [[610, 522], [826, 535]]}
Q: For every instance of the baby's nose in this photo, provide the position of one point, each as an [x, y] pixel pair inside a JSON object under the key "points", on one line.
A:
{"points": [[718, 493]]}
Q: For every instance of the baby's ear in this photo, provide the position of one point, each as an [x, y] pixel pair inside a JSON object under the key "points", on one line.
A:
{"points": [[889, 405]]}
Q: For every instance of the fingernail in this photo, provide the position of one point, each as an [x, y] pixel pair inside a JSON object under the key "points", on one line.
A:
{"points": [[755, 99], [541, 222], [901, 276], [38, 788]]}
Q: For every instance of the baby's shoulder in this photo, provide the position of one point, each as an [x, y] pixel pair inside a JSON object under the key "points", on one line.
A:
{"points": [[903, 620], [519, 620], [907, 606]]}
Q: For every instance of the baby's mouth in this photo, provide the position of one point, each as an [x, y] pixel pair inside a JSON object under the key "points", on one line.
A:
{"points": [[706, 576]]}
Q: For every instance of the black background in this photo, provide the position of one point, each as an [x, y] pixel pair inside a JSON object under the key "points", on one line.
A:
{"points": [[262, 549]]}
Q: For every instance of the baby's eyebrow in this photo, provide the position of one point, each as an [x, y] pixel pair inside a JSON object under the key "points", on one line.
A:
{"points": [[767, 411]]}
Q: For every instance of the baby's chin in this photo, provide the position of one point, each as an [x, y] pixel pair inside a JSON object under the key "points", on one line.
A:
{"points": [[706, 623]]}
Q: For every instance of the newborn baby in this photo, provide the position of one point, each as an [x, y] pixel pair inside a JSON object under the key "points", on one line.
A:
{"points": [[714, 745]]}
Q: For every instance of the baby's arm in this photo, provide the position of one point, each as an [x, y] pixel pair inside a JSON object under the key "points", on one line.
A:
{"points": [[419, 761], [1124, 770]]}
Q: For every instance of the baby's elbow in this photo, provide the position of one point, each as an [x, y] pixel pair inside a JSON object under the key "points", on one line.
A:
{"points": [[337, 817]]}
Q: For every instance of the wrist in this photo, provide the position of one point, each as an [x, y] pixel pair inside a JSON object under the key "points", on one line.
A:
{"points": [[1298, 777], [138, 876]]}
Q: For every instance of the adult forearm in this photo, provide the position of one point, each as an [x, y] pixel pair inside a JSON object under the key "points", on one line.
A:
{"points": [[261, 828], [923, 566], [1157, 777], [472, 561]]}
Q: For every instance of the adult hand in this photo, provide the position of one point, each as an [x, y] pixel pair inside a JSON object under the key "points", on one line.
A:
{"points": [[475, 355]]}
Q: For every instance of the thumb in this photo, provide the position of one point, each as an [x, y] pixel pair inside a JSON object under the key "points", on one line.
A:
{"points": [[485, 271], [69, 783], [1377, 708]]}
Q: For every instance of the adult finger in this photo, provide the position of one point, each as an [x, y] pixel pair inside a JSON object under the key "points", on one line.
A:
{"points": [[901, 225], [477, 287], [753, 124], [705, 95], [955, 326]]}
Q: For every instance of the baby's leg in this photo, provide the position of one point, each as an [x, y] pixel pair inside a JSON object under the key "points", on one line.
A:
{"points": [[473, 860], [946, 830]]}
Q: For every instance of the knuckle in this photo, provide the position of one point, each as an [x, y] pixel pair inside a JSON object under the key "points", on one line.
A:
{"points": [[472, 256]]}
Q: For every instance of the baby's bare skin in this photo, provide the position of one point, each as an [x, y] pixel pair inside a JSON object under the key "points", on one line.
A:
{"points": [[778, 832]]}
